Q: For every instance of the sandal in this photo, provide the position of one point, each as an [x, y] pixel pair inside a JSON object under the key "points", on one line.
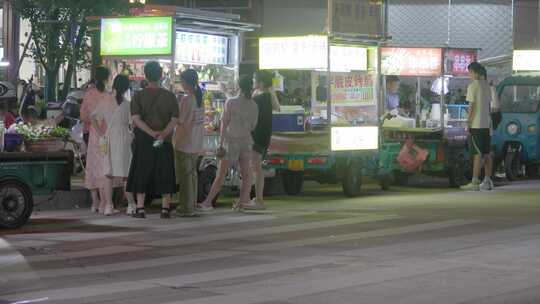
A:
{"points": [[237, 206], [165, 213], [139, 213]]}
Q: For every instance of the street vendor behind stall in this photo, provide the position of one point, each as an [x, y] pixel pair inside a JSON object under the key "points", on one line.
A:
{"points": [[392, 94]]}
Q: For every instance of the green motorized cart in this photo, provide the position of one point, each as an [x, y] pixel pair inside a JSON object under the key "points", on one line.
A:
{"points": [[303, 156], [427, 132], [447, 155], [23, 175], [329, 133]]}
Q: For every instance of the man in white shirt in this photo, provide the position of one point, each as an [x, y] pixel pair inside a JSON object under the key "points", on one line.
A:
{"points": [[479, 96]]}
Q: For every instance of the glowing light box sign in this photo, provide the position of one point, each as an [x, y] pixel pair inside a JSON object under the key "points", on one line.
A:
{"points": [[348, 58], [201, 48], [458, 60], [526, 60], [411, 61], [306, 52], [354, 138], [309, 53], [137, 36]]}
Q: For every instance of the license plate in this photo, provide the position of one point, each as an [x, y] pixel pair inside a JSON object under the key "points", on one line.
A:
{"points": [[296, 165]]}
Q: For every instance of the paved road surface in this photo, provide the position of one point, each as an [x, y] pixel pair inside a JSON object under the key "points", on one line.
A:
{"points": [[411, 245]]}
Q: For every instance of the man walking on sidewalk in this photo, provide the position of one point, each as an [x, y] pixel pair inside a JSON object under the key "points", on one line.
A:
{"points": [[479, 98]]}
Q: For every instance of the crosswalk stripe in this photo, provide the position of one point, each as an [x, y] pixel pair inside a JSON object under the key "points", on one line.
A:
{"points": [[123, 266], [182, 241], [268, 230], [124, 249], [181, 280], [357, 235], [203, 238]]}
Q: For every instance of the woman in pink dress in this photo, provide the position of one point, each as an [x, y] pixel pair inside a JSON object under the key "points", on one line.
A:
{"points": [[95, 179]]}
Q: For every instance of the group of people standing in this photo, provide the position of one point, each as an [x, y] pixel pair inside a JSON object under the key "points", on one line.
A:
{"points": [[152, 143]]}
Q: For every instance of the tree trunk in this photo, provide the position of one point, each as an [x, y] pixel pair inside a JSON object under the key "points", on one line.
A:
{"points": [[68, 80], [51, 85], [72, 63]]}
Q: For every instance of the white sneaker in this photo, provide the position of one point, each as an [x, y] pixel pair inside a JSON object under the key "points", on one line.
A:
{"points": [[131, 209], [109, 210], [471, 187], [486, 185], [254, 205]]}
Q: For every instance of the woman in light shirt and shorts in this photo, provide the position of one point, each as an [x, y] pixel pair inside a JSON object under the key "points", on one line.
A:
{"points": [[238, 121]]}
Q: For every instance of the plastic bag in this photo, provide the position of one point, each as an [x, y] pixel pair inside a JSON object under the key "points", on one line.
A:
{"points": [[411, 156]]}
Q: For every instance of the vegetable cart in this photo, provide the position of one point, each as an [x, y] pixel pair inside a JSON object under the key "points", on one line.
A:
{"points": [[23, 175]]}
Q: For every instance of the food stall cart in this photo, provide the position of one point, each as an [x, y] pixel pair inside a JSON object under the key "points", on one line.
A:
{"points": [[179, 39], [334, 137], [516, 140], [428, 136]]}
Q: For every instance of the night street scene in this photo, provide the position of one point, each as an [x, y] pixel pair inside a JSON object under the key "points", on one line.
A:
{"points": [[270, 152]]}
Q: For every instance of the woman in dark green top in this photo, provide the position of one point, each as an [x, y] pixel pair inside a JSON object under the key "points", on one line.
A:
{"points": [[267, 102]]}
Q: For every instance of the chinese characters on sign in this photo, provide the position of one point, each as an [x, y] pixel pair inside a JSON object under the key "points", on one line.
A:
{"points": [[346, 58], [201, 48], [411, 61], [138, 36], [352, 88], [364, 17], [457, 61], [307, 52], [354, 138]]}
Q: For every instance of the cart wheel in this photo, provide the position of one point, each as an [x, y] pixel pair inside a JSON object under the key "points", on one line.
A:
{"points": [[293, 182], [400, 178], [205, 179], [459, 172], [512, 166], [16, 204], [386, 182], [272, 186], [352, 180], [532, 171]]}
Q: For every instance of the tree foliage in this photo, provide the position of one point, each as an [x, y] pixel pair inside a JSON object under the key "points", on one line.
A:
{"points": [[59, 33]]}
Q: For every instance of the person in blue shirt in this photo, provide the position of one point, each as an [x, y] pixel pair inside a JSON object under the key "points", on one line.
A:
{"points": [[392, 96]]}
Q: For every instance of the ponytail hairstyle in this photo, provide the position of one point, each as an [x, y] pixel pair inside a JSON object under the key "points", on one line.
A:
{"points": [[191, 78], [101, 75], [120, 86], [246, 85]]}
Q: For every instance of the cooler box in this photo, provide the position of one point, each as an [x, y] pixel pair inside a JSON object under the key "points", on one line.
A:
{"points": [[288, 122]]}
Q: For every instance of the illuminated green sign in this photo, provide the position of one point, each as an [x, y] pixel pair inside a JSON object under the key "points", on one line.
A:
{"points": [[137, 36]]}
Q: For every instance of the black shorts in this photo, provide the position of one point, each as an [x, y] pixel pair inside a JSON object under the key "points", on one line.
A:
{"points": [[480, 141], [152, 169]]}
